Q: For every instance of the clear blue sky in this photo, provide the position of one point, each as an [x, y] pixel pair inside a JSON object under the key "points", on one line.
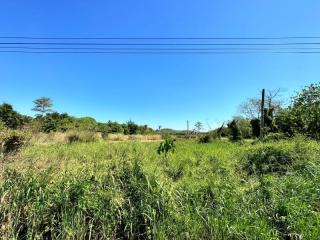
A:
{"points": [[154, 89]]}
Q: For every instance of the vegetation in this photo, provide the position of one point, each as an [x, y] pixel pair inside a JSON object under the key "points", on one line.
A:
{"points": [[63, 177], [42, 106], [124, 190]]}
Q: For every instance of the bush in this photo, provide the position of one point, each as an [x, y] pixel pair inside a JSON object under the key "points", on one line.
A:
{"points": [[167, 146], [11, 141], [207, 138], [83, 136], [236, 134], [268, 159]]}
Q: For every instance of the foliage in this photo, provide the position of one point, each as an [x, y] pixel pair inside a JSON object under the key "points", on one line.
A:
{"points": [[306, 110], [42, 105], [85, 124], [206, 138], [9, 117], [167, 146], [244, 126], [1, 125], [235, 131], [268, 159], [53, 122], [131, 129]]}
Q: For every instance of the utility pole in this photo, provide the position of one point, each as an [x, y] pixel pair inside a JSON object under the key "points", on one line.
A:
{"points": [[188, 128], [262, 115]]}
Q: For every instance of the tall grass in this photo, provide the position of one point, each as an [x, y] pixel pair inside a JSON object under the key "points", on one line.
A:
{"points": [[100, 190]]}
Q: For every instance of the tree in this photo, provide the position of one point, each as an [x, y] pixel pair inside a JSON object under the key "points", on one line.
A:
{"points": [[306, 111], [9, 117], [198, 126], [236, 134], [132, 128], [255, 127], [42, 105], [244, 126], [251, 109], [167, 146]]}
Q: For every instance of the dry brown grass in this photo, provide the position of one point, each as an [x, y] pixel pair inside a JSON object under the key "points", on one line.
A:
{"points": [[137, 137]]}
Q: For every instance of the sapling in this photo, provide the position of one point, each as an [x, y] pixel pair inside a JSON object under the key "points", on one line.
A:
{"points": [[167, 146]]}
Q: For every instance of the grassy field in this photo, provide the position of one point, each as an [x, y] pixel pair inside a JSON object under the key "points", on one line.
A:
{"points": [[125, 190]]}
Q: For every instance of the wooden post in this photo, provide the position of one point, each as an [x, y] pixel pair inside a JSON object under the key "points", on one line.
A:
{"points": [[188, 128], [262, 115]]}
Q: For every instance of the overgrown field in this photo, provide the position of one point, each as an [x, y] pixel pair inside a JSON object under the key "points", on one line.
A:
{"points": [[125, 190]]}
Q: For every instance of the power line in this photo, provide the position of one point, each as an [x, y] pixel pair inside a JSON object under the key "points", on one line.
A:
{"points": [[160, 38], [159, 44], [155, 45], [159, 49], [157, 52]]}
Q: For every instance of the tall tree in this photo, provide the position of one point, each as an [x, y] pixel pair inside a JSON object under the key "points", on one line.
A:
{"points": [[42, 106]]}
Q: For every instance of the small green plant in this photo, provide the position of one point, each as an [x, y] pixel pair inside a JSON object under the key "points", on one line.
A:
{"points": [[167, 146]]}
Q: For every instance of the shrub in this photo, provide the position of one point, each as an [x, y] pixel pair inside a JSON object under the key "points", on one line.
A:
{"points": [[82, 136], [268, 159], [167, 146], [236, 134], [11, 141], [207, 138]]}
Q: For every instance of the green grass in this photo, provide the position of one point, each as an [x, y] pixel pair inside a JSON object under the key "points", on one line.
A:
{"points": [[125, 190]]}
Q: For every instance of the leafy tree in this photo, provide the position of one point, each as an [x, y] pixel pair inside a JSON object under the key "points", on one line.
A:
{"points": [[132, 128], [9, 117], [306, 110], [114, 127], [57, 122], [167, 146], [286, 122], [236, 134], [42, 106], [244, 126], [86, 123], [255, 127]]}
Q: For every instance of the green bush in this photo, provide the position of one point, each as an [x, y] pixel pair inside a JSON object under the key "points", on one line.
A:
{"points": [[236, 134], [207, 138], [268, 159], [167, 146]]}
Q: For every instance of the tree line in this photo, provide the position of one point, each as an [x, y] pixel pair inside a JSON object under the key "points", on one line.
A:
{"points": [[46, 120]]}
